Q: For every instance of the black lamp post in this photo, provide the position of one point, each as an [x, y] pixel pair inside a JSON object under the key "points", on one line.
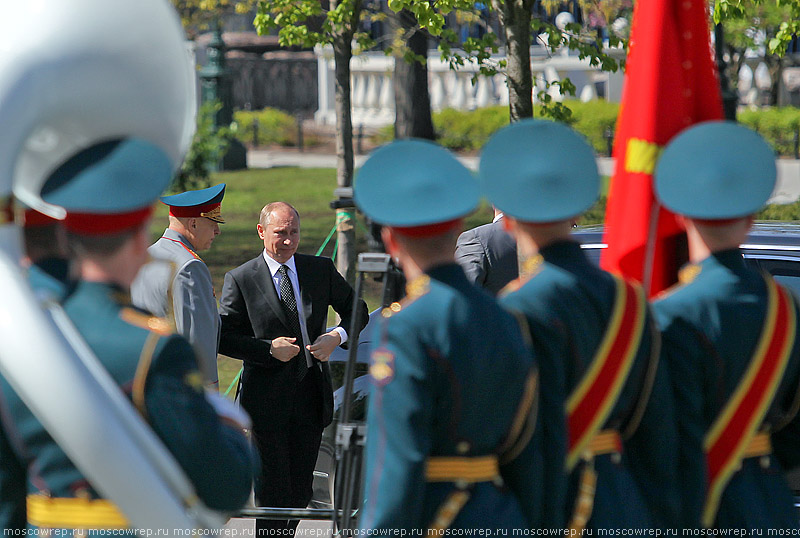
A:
{"points": [[215, 83]]}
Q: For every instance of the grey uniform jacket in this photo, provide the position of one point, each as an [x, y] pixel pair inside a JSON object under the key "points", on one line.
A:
{"points": [[488, 255], [177, 271]]}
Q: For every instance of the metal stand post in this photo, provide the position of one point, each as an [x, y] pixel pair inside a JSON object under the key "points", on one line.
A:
{"points": [[351, 436]]}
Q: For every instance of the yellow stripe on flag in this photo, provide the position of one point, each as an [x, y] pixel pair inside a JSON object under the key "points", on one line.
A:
{"points": [[641, 156]]}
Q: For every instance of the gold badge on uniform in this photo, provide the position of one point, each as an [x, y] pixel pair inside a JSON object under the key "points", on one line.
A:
{"points": [[381, 366], [688, 273]]}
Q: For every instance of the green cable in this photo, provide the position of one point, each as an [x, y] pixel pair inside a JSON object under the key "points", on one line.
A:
{"points": [[335, 249], [235, 379], [341, 216], [325, 243]]}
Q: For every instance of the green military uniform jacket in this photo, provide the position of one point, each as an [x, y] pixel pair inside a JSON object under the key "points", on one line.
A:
{"points": [[568, 303], [449, 373], [215, 455], [49, 279], [711, 326]]}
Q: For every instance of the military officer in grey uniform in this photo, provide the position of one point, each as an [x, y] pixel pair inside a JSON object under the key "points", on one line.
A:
{"points": [[176, 284]]}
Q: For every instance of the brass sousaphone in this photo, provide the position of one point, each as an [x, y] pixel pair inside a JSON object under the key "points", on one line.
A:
{"points": [[73, 73]]}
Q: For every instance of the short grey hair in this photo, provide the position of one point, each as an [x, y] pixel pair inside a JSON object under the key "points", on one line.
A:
{"points": [[266, 211]]}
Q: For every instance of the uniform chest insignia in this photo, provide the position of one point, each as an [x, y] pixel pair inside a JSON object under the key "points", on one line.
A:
{"points": [[151, 323], [391, 310], [689, 273], [381, 367]]}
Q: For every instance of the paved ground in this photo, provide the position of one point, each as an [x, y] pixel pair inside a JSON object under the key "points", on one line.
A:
{"points": [[787, 189], [306, 529]]}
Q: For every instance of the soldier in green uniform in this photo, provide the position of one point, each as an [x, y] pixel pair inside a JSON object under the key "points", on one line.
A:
{"points": [[49, 276], [593, 337], [729, 337], [452, 412], [155, 368]]}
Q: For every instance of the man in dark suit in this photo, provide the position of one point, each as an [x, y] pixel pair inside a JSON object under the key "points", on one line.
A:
{"points": [[488, 255], [286, 384]]}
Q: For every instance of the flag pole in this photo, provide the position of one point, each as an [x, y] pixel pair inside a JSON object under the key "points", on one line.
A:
{"points": [[650, 247]]}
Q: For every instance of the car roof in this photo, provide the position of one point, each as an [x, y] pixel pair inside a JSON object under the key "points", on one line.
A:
{"points": [[780, 236]]}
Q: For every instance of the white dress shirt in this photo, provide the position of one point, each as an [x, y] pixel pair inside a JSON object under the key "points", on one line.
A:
{"points": [[274, 267]]}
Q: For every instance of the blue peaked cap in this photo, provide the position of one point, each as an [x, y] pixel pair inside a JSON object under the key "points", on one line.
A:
{"points": [[716, 170], [539, 171], [110, 177], [414, 183], [211, 195]]}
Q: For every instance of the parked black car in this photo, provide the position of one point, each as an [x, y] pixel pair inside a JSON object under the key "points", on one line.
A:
{"points": [[774, 247]]}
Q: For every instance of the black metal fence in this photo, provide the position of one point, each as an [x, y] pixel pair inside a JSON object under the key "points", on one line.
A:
{"points": [[287, 81]]}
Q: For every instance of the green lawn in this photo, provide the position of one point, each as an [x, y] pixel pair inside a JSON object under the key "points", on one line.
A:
{"points": [[310, 190]]}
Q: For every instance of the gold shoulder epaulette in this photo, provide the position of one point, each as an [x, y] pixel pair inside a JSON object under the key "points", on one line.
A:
{"points": [[689, 273], [418, 287], [530, 268], [685, 276], [146, 321], [414, 290]]}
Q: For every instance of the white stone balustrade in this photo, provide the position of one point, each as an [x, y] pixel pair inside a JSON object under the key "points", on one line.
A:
{"points": [[373, 94]]}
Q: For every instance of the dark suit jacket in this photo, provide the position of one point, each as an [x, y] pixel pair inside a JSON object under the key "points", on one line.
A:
{"points": [[488, 255], [252, 316]]}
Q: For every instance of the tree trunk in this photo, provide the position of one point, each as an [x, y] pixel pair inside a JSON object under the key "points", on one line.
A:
{"points": [[775, 65], [412, 100], [515, 15], [345, 217]]}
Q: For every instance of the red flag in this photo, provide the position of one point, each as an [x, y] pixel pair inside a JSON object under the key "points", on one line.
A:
{"points": [[670, 83]]}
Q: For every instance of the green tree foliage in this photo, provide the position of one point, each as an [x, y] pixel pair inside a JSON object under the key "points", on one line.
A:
{"points": [[517, 21], [779, 18], [757, 24], [307, 23], [199, 15]]}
